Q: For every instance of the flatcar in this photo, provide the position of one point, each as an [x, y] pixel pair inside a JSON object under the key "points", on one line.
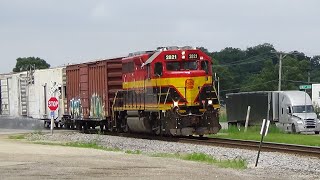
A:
{"points": [[169, 91]]}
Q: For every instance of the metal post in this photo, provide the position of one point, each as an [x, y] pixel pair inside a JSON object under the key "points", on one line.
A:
{"points": [[247, 119], [264, 130], [45, 99], [261, 140], [219, 89], [280, 71], [305, 103], [51, 127]]}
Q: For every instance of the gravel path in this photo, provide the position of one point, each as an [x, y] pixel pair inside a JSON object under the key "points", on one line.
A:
{"points": [[279, 163]]}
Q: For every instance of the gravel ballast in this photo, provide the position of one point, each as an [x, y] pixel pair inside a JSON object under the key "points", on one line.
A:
{"points": [[269, 161]]}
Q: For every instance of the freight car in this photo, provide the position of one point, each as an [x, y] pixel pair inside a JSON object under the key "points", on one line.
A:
{"points": [[25, 94], [168, 91]]}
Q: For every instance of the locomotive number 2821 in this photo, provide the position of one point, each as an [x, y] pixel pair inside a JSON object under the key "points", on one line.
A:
{"points": [[193, 56], [171, 57]]}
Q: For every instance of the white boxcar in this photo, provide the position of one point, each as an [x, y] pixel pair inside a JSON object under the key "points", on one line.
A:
{"points": [[12, 95], [26, 93], [46, 83], [4, 94]]}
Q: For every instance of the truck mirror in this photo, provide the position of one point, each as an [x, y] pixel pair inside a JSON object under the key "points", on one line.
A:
{"points": [[288, 110]]}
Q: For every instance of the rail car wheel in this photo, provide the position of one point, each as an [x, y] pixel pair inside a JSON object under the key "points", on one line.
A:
{"points": [[157, 131], [126, 129], [79, 126], [101, 128], [316, 132]]}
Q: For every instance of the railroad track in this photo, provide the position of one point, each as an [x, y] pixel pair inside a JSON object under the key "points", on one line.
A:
{"points": [[233, 143], [254, 145]]}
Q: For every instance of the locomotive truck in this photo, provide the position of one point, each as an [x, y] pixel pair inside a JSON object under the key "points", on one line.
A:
{"points": [[168, 91]]}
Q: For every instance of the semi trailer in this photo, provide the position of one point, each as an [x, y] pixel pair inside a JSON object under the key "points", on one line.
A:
{"points": [[291, 111]]}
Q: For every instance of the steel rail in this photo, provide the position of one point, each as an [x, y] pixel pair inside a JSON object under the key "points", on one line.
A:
{"points": [[313, 151], [248, 144]]}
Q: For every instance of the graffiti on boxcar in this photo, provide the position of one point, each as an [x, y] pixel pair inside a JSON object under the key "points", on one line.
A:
{"points": [[96, 106], [75, 108]]}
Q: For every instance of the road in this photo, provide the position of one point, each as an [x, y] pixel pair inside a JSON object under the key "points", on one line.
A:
{"points": [[23, 160]]}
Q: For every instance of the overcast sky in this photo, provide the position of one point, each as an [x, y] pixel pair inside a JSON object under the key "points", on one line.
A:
{"points": [[72, 31]]}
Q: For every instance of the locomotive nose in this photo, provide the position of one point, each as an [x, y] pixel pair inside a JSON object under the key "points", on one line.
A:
{"points": [[190, 88], [189, 84]]}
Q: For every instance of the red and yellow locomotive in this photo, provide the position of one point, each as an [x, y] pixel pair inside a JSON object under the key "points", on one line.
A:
{"points": [[168, 91]]}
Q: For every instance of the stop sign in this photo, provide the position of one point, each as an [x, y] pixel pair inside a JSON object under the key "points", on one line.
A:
{"points": [[53, 103]]}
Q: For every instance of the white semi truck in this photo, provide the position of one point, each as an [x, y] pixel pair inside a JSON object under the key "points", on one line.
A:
{"points": [[291, 111]]}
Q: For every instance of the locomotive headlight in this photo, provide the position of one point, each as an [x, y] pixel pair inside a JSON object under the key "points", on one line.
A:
{"points": [[210, 102]]}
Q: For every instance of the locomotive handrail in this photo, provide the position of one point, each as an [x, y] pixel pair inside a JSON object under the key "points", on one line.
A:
{"points": [[114, 102], [165, 100]]}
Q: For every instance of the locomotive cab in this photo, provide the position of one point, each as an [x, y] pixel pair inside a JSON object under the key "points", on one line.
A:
{"points": [[168, 91]]}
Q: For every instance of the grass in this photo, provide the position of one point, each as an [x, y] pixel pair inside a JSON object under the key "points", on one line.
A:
{"points": [[198, 157], [37, 131], [133, 152], [223, 115], [201, 157], [18, 136], [274, 135]]}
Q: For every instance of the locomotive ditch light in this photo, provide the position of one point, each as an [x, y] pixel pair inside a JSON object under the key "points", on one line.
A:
{"points": [[175, 103]]}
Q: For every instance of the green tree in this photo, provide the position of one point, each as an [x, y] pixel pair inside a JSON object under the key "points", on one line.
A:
{"points": [[315, 69], [24, 64], [266, 80], [294, 72]]}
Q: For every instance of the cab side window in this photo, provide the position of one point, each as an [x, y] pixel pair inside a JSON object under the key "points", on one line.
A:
{"points": [[158, 69], [204, 66]]}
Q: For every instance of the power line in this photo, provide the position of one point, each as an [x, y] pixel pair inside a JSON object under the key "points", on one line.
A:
{"points": [[248, 86], [245, 60], [301, 81], [249, 62]]}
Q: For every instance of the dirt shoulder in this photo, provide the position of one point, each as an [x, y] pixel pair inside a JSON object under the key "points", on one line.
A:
{"points": [[23, 160]]}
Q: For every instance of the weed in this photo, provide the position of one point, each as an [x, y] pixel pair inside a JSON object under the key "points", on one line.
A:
{"points": [[133, 152], [19, 136], [165, 155], [223, 115], [201, 157], [37, 131]]}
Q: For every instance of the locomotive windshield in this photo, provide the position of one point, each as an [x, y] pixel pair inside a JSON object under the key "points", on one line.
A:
{"points": [[189, 65], [178, 66]]}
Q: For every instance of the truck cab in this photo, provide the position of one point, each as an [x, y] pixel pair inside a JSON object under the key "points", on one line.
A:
{"points": [[296, 112]]}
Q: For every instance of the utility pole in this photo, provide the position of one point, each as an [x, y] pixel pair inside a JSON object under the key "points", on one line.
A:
{"points": [[281, 56]]}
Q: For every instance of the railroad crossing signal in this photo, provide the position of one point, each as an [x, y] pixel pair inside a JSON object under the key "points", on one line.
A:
{"points": [[305, 87], [53, 103]]}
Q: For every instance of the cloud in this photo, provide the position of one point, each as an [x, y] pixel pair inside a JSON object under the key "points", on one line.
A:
{"points": [[101, 10]]}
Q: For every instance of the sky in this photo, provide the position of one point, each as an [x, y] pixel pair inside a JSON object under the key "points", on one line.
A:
{"points": [[75, 31]]}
